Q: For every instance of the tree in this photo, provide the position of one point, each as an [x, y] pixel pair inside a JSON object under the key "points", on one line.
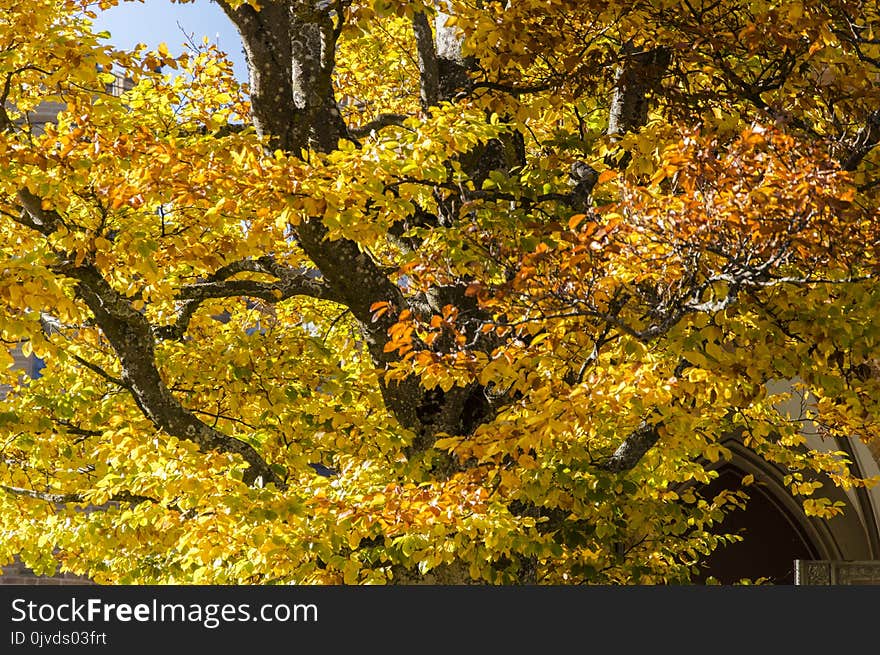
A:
{"points": [[468, 292]]}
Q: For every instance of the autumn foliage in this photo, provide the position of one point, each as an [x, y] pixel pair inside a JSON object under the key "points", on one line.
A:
{"points": [[486, 306]]}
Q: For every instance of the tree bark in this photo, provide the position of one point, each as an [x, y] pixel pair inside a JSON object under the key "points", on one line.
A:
{"points": [[429, 71], [638, 76], [301, 114], [290, 50], [131, 336]]}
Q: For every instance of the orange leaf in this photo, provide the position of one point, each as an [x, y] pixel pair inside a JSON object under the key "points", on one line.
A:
{"points": [[608, 174], [576, 220]]}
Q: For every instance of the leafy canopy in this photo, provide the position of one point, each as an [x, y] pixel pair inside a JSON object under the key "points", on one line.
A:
{"points": [[416, 352]]}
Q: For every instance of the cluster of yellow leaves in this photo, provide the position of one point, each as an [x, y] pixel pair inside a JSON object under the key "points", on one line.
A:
{"points": [[165, 185]]}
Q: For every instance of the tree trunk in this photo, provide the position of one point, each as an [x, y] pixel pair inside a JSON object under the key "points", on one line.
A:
{"points": [[638, 76]]}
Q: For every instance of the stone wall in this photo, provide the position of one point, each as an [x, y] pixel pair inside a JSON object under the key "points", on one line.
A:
{"points": [[18, 574]]}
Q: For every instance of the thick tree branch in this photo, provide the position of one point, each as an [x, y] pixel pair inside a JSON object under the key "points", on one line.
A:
{"points": [[429, 70], [291, 282], [77, 430], [44, 221], [72, 498], [131, 336], [267, 49], [633, 448], [294, 116], [637, 77], [290, 48], [866, 140], [359, 283], [268, 291], [302, 115], [513, 90], [377, 124]]}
